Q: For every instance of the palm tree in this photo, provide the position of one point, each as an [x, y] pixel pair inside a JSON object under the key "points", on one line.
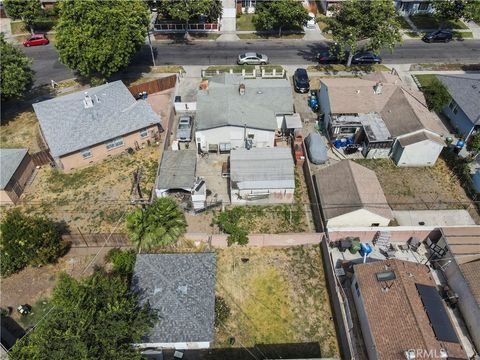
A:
{"points": [[159, 224]]}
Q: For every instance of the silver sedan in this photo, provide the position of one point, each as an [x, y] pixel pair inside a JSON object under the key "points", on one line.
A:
{"points": [[251, 58]]}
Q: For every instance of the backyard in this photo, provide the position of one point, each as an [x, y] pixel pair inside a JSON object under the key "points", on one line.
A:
{"points": [[275, 296]]}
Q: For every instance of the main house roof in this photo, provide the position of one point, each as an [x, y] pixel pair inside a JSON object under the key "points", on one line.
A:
{"points": [[222, 105], [68, 125], [10, 160]]}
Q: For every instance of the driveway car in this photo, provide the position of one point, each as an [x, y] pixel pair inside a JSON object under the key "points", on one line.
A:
{"points": [[301, 83], [184, 129], [366, 57], [251, 58], [36, 39], [438, 36]]}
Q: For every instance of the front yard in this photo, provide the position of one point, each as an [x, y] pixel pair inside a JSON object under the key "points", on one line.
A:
{"points": [[430, 22], [245, 23], [275, 296]]}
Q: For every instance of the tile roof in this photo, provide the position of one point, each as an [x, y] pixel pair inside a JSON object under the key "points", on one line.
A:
{"points": [[420, 136], [177, 170], [181, 287], [10, 160], [69, 126], [262, 168], [221, 104], [465, 90], [397, 318], [346, 186]]}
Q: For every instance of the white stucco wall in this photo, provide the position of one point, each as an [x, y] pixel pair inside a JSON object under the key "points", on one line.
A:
{"points": [[234, 135], [359, 217], [424, 153], [276, 196]]}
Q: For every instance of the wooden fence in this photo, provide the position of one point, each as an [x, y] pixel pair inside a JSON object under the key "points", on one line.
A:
{"points": [[41, 158], [154, 86], [97, 240]]}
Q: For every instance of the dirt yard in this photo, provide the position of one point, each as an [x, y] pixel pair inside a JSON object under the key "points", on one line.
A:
{"points": [[276, 296], [21, 131]]}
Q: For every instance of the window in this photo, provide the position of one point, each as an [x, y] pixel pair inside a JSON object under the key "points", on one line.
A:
{"points": [[86, 153], [453, 106], [115, 143], [385, 276], [357, 289], [143, 133], [423, 6]]}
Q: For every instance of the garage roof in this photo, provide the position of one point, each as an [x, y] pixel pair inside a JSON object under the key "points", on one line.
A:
{"points": [[177, 170], [10, 160]]}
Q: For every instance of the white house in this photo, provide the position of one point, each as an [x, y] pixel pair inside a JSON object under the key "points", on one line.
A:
{"points": [[234, 112], [418, 149], [262, 176]]}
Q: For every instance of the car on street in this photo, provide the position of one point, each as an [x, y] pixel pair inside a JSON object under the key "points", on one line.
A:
{"points": [[184, 129], [36, 39], [328, 57], [366, 57], [251, 58], [301, 83], [438, 36]]}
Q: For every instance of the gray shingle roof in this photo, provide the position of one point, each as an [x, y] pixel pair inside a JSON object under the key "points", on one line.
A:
{"points": [[182, 288], [465, 90], [262, 168], [177, 169], [10, 160], [221, 104], [68, 126]]}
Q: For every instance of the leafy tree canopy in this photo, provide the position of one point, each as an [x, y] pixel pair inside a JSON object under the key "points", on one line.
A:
{"points": [[100, 37], [94, 318], [437, 95], [474, 143], [457, 9], [228, 221], [191, 10], [123, 261], [28, 240], [280, 14], [15, 73], [374, 21], [159, 224], [27, 10]]}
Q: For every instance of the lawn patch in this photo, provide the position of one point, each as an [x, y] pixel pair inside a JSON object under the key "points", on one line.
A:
{"points": [[431, 22], [245, 23], [413, 34], [39, 310], [333, 68], [403, 23], [255, 36], [270, 68], [234, 68], [444, 67], [18, 27], [21, 131], [425, 80], [459, 35]]}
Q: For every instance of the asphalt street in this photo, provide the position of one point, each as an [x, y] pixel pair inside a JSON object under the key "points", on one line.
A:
{"points": [[291, 52]]}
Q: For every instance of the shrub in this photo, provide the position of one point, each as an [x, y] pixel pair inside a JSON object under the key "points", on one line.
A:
{"points": [[437, 95], [228, 221], [123, 261], [222, 311]]}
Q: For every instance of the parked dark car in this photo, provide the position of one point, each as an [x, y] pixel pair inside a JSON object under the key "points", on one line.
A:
{"points": [[327, 57], [36, 39], [301, 83], [366, 57], [438, 36]]}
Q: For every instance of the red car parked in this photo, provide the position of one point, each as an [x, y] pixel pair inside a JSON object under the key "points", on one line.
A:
{"points": [[36, 39]]}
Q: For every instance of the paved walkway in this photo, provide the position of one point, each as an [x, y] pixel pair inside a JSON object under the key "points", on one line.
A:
{"points": [[474, 28], [6, 30]]}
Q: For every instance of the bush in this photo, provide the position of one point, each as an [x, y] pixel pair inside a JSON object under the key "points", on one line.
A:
{"points": [[28, 240], [228, 221], [437, 95], [123, 261], [222, 311]]}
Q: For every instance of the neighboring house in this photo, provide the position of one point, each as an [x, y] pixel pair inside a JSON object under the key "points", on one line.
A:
{"points": [[350, 195], [16, 168], [328, 6], [246, 6], [386, 118], [87, 127], [234, 112], [262, 176], [181, 288], [414, 7], [401, 313], [459, 252], [464, 109]]}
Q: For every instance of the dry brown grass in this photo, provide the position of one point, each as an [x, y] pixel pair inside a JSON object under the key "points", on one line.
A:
{"points": [[21, 131]]}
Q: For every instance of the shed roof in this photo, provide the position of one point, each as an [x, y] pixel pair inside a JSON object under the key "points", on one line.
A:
{"points": [[419, 137], [346, 187], [177, 170], [465, 90], [69, 126], [222, 105], [10, 160], [262, 168], [181, 287], [397, 317], [463, 242]]}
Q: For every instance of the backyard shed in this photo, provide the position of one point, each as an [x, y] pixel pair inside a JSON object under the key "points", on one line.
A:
{"points": [[350, 195], [16, 169], [262, 176], [181, 288], [419, 149], [176, 172]]}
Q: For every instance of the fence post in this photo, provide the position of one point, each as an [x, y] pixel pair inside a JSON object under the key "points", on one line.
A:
{"points": [[243, 72], [217, 72], [274, 72], [254, 72], [231, 71], [82, 236], [263, 72]]}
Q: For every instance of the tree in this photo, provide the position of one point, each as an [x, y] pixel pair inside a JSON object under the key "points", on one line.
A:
{"points": [[280, 14], [94, 318], [15, 73], [437, 95], [468, 10], [159, 224], [374, 21], [27, 10], [98, 38], [123, 261], [28, 240], [474, 143]]}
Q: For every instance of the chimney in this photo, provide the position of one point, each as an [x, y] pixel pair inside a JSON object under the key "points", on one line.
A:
{"points": [[377, 89], [87, 101], [241, 89]]}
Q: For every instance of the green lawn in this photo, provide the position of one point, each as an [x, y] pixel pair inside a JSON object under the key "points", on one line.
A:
{"points": [[445, 67], [39, 310], [430, 22], [403, 23], [425, 80], [414, 34], [255, 36], [463, 35], [235, 68], [18, 27], [341, 67], [245, 23], [269, 68]]}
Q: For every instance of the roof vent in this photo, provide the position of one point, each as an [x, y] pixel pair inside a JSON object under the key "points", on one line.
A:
{"points": [[182, 289], [377, 89], [241, 89], [410, 355], [358, 91], [87, 101], [98, 100]]}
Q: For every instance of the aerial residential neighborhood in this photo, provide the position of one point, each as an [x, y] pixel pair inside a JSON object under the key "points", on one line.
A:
{"points": [[240, 179]]}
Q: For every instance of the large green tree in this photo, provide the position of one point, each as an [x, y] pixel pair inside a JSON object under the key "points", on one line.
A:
{"points": [[159, 224], [437, 95], [372, 21], [279, 15], [94, 318], [27, 10], [457, 9], [15, 71], [99, 37], [28, 240]]}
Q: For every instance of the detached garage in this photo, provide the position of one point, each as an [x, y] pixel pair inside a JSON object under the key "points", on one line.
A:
{"points": [[16, 168], [419, 149]]}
